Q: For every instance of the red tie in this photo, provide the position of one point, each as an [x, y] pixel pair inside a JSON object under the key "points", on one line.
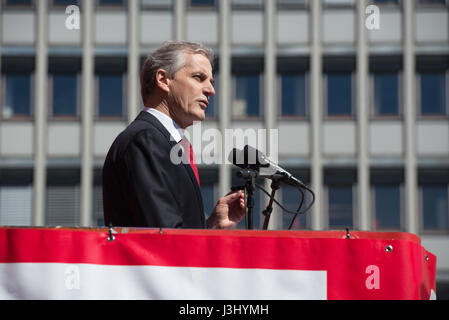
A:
{"points": [[187, 146]]}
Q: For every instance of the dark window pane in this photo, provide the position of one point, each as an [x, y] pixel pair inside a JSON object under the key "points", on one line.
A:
{"points": [[340, 206], [64, 94], [339, 94], [291, 198], [202, 3], [111, 2], [293, 95], [208, 194], [18, 2], [65, 2], [433, 95], [110, 95], [18, 91], [247, 96], [432, 1], [435, 207], [212, 110], [387, 207], [385, 1], [386, 94]]}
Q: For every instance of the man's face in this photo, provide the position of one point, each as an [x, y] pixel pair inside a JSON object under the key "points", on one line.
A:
{"points": [[190, 90]]}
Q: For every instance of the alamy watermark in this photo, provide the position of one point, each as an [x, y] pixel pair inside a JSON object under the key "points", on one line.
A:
{"points": [[211, 146], [72, 22]]}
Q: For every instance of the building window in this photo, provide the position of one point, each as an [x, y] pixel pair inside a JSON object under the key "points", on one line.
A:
{"points": [[434, 207], [16, 197], [385, 1], [433, 88], [17, 98], [293, 94], [110, 95], [432, 2], [387, 206], [64, 94], [209, 181], [65, 3], [433, 196], [19, 3], [291, 199], [98, 215], [246, 96], [111, 87], [63, 197], [340, 206], [212, 108], [115, 3], [340, 189], [202, 3], [386, 93], [339, 93]]}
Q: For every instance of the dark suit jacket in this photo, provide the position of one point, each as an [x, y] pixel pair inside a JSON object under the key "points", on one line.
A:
{"points": [[141, 185]]}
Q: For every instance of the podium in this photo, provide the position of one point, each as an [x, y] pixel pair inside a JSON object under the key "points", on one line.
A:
{"points": [[182, 264]]}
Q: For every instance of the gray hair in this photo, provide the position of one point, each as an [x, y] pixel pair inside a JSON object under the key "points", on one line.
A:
{"points": [[169, 57]]}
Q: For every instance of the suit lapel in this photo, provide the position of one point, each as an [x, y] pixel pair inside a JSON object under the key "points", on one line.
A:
{"points": [[145, 116]]}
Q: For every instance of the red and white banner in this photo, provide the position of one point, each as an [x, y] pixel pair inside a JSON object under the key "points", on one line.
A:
{"points": [[50, 263]]}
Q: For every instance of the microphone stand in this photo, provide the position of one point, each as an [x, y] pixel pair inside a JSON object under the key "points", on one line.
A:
{"points": [[275, 185], [250, 177]]}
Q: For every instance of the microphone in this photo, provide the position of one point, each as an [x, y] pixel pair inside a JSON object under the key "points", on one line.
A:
{"points": [[251, 158]]}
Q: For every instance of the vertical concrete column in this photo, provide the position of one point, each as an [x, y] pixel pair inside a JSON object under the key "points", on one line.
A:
{"points": [[87, 111], [134, 103], [411, 176], [40, 113], [180, 22], [363, 175], [316, 105], [225, 101], [270, 107]]}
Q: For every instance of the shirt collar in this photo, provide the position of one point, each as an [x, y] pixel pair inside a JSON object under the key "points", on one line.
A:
{"points": [[172, 127]]}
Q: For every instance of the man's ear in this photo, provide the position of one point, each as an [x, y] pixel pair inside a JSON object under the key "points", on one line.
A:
{"points": [[162, 80]]}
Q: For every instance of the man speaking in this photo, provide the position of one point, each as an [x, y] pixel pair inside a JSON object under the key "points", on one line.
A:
{"points": [[142, 186]]}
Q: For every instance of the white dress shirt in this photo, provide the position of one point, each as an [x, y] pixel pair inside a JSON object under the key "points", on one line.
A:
{"points": [[172, 127]]}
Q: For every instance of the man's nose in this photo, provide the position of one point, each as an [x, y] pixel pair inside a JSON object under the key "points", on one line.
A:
{"points": [[209, 90]]}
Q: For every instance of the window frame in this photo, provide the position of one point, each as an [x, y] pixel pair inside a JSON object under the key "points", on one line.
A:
{"points": [[353, 107], [421, 4], [30, 6], [3, 93], [247, 117], [51, 115], [123, 116], [111, 7], [372, 103], [53, 5], [280, 115], [373, 212], [422, 229], [327, 214], [418, 96]]}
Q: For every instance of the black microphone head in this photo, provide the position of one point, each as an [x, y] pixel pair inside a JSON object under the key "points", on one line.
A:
{"points": [[254, 157], [236, 157]]}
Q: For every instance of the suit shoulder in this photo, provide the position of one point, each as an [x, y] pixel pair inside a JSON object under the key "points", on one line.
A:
{"points": [[138, 133]]}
